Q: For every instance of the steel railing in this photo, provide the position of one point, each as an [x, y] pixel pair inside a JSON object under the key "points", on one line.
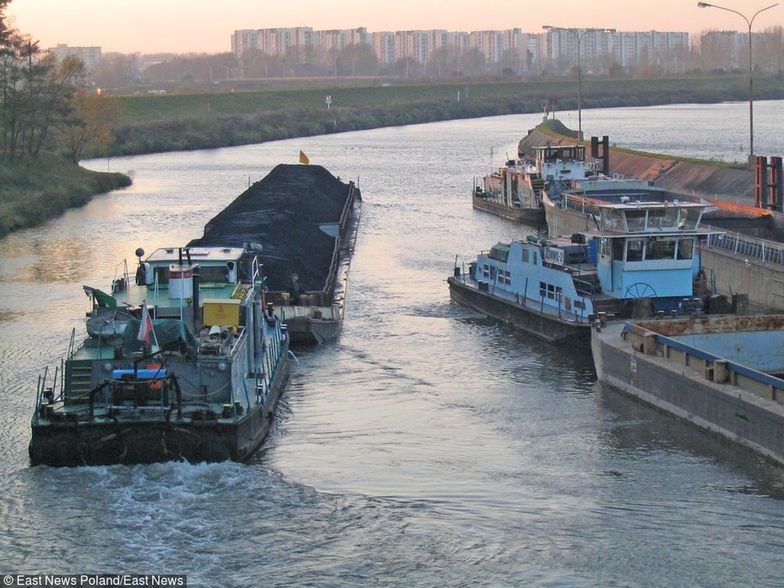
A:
{"points": [[761, 250]]}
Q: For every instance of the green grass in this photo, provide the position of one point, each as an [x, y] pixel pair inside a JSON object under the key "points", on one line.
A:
{"points": [[35, 190], [211, 105], [197, 121]]}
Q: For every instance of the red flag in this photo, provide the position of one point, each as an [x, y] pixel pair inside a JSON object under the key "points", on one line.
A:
{"points": [[145, 328]]}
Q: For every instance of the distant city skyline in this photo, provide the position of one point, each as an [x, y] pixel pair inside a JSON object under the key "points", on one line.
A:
{"points": [[183, 26]]}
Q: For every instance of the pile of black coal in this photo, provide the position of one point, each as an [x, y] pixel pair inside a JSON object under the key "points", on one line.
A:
{"points": [[284, 213]]}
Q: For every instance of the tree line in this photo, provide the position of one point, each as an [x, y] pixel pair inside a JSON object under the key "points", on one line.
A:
{"points": [[713, 52], [46, 104]]}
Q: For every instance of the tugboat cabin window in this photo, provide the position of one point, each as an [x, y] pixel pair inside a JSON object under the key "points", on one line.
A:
{"points": [[660, 248], [689, 218], [486, 270], [635, 220], [525, 255], [162, 273], [612, 219], [662, 218], [634, 249], [685, 248], [213, 274], [617, 245]]}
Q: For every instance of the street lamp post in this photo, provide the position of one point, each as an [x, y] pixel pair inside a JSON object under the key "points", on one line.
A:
{"points": [[578, 34], [749, 22]]}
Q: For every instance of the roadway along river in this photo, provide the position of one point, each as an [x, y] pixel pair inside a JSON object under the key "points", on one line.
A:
{"points": [[426, 446]]}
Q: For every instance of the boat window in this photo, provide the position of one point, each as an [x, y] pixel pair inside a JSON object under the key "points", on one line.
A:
{"points": [[635, 220], [634, 250], [551, 291], [662, 218], [660, 249], [579, 304], [213, 274], [162, 273], [504, 277], [689, 218], [612, 220], [534, 259], [525, 255], [486, 271], [542, 289], [603, 250], [685, 248], [568, 304], [618, 249]]}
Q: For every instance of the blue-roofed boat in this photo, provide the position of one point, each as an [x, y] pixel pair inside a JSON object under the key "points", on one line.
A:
{"points": [[641, 258], [184, 360]]}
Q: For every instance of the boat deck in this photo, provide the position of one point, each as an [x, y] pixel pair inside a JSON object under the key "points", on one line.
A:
{"points": [[138, 295]]}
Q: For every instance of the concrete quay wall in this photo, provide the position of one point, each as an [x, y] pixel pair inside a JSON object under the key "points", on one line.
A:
{"points": [[763, 282]]}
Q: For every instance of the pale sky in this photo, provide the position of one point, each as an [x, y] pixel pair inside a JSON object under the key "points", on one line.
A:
{"points": [[182, 26]]}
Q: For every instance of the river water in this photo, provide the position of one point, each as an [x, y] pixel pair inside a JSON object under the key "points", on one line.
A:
{"points": [[427, 446]]}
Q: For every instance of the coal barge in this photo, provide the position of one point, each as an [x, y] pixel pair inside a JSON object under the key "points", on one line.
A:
{"points": [[305, 221]]}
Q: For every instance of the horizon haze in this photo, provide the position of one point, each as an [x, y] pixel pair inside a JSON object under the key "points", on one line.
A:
{"points": [[195, 26]]}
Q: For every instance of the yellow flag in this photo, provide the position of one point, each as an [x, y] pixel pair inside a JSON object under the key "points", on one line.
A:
{"points": [[303, 158]]}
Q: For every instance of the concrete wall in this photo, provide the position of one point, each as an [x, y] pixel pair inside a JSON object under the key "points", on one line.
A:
{"points": [[764, 283]]}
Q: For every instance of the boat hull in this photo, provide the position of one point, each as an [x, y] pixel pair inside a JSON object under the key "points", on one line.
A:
{"points": [[70, 443], [307, 331], [529, 216], [520, 317]]}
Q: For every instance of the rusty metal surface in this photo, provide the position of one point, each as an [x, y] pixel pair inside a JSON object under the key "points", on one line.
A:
{"points": [[710, 324]]}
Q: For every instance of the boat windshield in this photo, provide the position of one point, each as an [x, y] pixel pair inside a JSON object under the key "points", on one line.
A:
{"points": [[662, 218], [689, 218], [635, 220]]}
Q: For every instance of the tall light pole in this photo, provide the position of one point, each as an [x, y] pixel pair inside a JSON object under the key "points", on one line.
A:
{"points": [[751, 69], [578, 34]]}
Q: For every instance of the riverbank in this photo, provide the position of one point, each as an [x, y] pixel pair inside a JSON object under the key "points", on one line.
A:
{"points": [[34, 190], [160, 123]]}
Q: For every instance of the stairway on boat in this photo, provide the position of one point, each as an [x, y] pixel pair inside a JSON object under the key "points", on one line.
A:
{"points": [[537, 185], [78, 378]]}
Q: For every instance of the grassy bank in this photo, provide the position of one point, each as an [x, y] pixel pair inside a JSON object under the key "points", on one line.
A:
{"points": [[35, 190], [197, 121]]}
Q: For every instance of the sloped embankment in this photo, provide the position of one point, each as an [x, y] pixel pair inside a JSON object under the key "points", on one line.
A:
{"points": [[702, 178]]}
